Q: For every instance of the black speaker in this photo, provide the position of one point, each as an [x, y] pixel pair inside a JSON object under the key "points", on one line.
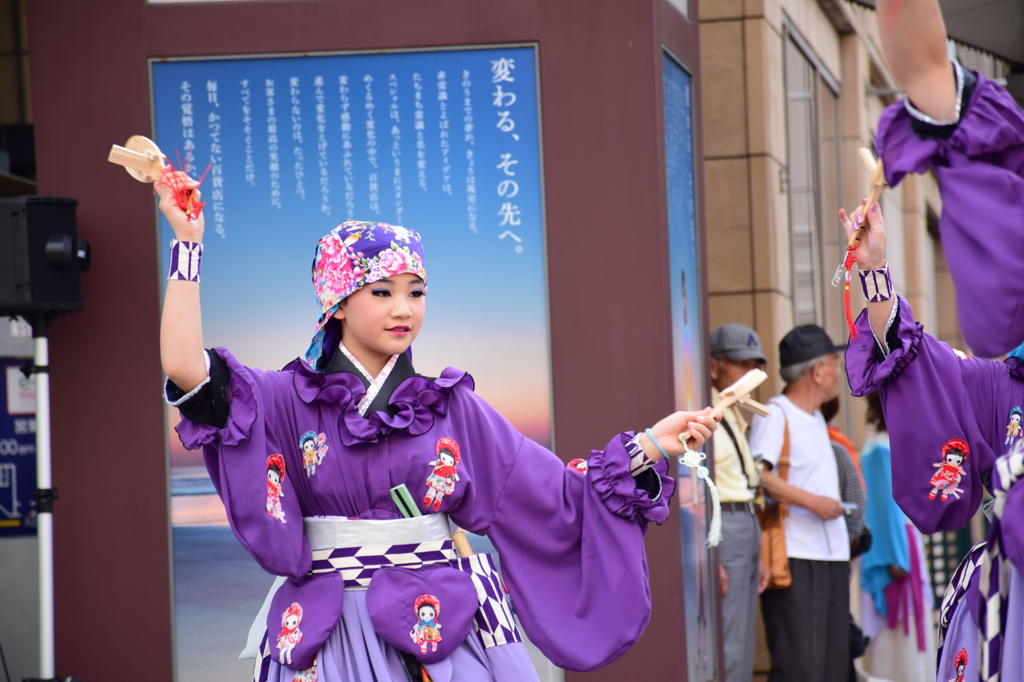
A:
{"points": [[41, 256]]}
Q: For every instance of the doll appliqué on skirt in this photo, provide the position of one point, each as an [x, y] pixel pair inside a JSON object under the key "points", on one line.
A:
{"points": [[427, 630], [275, 486], [1013, 427], [314, 449], [960, 665], [947, 479], [442, 479], [291, 635], [310, 674]]}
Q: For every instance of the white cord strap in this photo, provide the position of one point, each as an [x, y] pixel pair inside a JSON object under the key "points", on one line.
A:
{"points": [[693, 460]]}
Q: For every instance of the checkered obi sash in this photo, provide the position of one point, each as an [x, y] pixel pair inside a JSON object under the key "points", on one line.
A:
{"points": [[358, 548]]}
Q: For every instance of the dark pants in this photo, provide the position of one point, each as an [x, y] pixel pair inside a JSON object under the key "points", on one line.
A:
{"points": [[808, 624]]}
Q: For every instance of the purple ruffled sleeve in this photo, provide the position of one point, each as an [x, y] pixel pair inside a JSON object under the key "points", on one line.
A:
{"points": [[980, 171], [613, 481], [930, 397], [237, 458], [570, 539], [864, 370]]}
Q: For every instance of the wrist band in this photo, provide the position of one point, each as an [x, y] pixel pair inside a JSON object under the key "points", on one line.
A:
{"points": [[876, 284], [185, 260]]}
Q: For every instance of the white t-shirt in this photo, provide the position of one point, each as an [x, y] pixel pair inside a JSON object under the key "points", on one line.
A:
{"points": [[812, 467]]}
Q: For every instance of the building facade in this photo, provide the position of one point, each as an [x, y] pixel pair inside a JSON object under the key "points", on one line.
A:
{"points": [[792, 90]]}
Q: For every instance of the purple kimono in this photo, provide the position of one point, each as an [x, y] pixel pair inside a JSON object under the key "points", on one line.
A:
{"points": [[571, 540], [955, 422], [951, 420], [979, 163]]}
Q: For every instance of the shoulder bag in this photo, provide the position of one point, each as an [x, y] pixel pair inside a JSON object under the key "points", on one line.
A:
{"points": [[773, 534]]}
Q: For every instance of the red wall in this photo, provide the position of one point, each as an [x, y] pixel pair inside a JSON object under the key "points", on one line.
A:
{"points": [[601, 97]]}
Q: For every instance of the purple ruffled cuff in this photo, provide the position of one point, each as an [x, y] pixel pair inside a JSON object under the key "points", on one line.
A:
{"points": [[863, 369], [992, 123], [242, 392], [611, 478], [980, 171]]}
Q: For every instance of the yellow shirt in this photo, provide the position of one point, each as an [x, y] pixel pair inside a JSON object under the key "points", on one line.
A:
{"points": [[730, 476]]}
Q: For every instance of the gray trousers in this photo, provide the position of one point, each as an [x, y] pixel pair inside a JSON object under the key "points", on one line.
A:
{"points": [[739, 553]]}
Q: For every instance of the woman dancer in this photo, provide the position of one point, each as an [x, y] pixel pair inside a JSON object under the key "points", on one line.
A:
{"points": [[570, 538], [948, 412], [971, 133]]}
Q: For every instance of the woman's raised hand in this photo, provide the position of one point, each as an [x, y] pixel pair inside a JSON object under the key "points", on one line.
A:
{"points": [[871, 256], [871, 252], [184, 229], [698, 425]]}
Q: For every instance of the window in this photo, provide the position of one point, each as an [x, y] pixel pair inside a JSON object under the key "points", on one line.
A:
{"points": [[812, 178]]}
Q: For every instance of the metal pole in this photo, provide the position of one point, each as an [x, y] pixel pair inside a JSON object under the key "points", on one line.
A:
{"points": [[44, 518]]}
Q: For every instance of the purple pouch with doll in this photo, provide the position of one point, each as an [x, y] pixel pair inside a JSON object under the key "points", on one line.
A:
{"points": [[427, 612], [302, 616]]}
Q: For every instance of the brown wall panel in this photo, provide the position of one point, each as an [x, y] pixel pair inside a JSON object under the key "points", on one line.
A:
{"points": [[110, 524], [607, 263], [611, 322]]}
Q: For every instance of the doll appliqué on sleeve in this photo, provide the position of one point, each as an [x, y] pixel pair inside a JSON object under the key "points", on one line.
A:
{"points": [[275, 486], [1013, 427], [947, 479], [580, 466], [291, 635], [960, 665], [442, 479], [427, 630], [314, 449]]}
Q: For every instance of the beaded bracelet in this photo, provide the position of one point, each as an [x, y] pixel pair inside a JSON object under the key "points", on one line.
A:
{"points": [[185, 261], [876, 284]]}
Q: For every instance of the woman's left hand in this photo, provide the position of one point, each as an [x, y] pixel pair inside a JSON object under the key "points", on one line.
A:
{"points": [[697, 425]]}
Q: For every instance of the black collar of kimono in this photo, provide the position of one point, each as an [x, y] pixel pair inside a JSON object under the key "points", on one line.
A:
{"points": [[402, 370]]}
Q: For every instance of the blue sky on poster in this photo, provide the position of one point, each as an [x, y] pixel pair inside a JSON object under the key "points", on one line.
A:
{"points": [[410, 151], [687, 319]]}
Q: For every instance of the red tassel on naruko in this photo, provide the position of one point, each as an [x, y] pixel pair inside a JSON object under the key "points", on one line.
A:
{"points": [[186, 197], [848, 264]]}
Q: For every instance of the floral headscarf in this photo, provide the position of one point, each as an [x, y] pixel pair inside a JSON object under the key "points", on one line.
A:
{"points": [[352, 255]]}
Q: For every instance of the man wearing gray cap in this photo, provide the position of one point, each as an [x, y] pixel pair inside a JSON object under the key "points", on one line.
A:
{"points": [[735, 350]]}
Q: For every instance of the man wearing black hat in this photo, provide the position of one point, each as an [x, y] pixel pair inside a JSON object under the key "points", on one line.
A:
{"points": [[806, 624], [735, 350]]}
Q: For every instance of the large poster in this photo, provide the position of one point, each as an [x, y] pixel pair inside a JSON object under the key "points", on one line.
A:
{"points": [[445, 142], [688, 356]]}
